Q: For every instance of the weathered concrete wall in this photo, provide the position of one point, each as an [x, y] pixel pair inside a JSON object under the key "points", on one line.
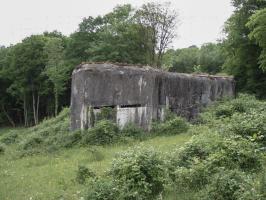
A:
{"points": [[141, 94]]}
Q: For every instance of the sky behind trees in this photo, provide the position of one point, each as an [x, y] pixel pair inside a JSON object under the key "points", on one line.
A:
{"points": [[200, 21]]}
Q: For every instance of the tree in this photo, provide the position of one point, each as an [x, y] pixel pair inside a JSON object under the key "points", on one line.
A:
{"points": [[184, 60], [56, 68], [210, 58], [257, 25], [27, 63], [158, 22], [7, 103], [114, 37], [242, 54]]}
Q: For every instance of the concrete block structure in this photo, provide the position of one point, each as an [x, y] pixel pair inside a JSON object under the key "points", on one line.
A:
{"points": [[140, 95]]}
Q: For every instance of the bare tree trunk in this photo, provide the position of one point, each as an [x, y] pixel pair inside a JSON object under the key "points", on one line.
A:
{"points": [[56, 101], [34, 108], [25, 111], [8, 117], [37, 109]]}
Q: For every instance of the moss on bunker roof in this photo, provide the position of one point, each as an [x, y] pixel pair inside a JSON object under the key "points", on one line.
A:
{"points": [[99, 66]]}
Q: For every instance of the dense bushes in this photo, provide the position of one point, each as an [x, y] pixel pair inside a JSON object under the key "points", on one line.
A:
{"points": [[2, 149], [102, 189], [170, 127], [104, 132], [230, 185], [83, 174], [243, 116], [223, 161], [193, 166], [10, 138], [139, 173]]}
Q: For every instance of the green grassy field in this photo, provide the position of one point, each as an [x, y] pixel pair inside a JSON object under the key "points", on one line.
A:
{"points": [[52, 176]]}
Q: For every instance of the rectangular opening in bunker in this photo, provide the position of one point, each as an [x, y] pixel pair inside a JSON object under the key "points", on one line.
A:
{"points": [[120, 114]]}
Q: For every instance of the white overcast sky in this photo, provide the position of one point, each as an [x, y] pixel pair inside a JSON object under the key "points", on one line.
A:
{"points": [[201, 21]]}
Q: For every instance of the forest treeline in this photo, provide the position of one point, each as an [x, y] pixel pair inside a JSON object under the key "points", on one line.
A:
{"points": [[35, 74]]}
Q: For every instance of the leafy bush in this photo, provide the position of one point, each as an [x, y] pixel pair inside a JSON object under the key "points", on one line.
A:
{"points": [[237, 153], [31, 143], [2, 149], [139, 173], [71, 138], [83, 174], [230, 185], [251, 125], [224, 111], [102, 189], [191, 166], [131, 130], [104, 132], [171, 127], [10, 138]]}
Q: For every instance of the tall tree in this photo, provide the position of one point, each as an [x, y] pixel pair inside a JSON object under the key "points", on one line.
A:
{"points": [[211, 58], [56, 68], [242, 53], [257, 25], [26, 68], [159, 22]]}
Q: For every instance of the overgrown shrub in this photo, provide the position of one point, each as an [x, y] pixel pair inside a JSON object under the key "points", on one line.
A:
{"points": [[71, 139], [131, 130], [230, 185], [83, 174], [191, 166], [104, 132], [171, 127], [250, 125], [31, 143], [236, 153], [139, 173], [102, 189], [224, 111], [10, 138], [2, 149]]}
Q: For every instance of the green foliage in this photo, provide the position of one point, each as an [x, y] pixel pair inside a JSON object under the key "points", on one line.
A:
{"points": [[104, 132], [102, 189], [50, 135], [83, 174], [256, 24], [131, 130], [185, 60], [139, 173], [192, 166], [56, 68], [2, 149], [106, 113], [176, 125], [9, 138], [243, 54], [251, 125], [96, 154], [230, 185], [207, 59], [210, 58], [243, 116]]}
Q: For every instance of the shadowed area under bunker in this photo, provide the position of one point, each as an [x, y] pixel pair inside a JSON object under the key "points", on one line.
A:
{"points": [[140, 95]]}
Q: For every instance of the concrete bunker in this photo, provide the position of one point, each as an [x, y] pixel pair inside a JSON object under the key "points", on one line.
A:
{"points": [[140, 95]]}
